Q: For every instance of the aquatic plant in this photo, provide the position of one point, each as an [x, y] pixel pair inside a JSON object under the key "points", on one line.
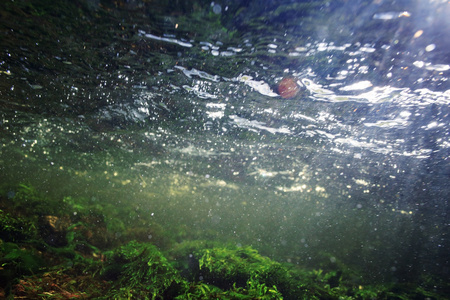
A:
{"points": [[29, 202], [243, 268], [252, 290], [62, 282], [200, 290], [257, 290], [192, 269], [16, 262], [141, 271], [16, 229]]}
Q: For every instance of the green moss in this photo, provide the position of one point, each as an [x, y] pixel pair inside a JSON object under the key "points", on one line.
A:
{"points": [[28, 201], [256, 290], [16, 229], [199, 269], [252, 290], [16, 262], [243, 268], [200, 290], [142, 272]]}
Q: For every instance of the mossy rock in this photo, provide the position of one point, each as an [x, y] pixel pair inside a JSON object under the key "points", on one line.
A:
{"points": [[253, 290], [226, 268], [140, 271], [16, 262], [16, 229], [29, 202]]}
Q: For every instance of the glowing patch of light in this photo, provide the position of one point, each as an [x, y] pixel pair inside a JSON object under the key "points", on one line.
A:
{"points": [[357, 86]]}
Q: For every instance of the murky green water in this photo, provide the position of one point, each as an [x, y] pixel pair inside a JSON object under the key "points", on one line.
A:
{"points": [[167, 115]]}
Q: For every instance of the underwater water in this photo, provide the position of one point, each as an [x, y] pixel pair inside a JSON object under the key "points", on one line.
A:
{"points": [[165, 118]]}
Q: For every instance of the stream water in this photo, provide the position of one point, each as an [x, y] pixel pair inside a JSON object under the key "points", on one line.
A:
{"points": [[172, 109]]}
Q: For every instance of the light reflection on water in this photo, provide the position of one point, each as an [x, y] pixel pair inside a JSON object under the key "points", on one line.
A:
{"points": [[333, 170]]}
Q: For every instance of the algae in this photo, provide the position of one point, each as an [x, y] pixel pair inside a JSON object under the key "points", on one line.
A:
{"points": [[87, 267]]}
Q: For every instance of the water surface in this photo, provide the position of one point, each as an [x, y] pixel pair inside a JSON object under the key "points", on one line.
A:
{"points": [[173, 111]]}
